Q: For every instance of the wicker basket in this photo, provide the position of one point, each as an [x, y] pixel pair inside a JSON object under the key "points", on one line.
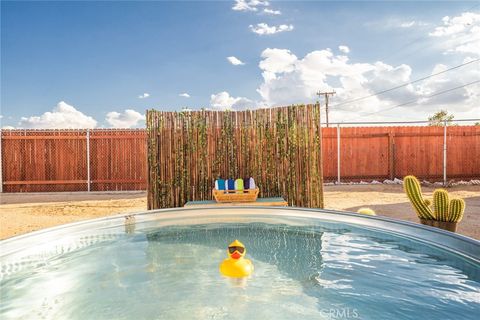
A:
{"points": [[248, 195], [445, 225]]}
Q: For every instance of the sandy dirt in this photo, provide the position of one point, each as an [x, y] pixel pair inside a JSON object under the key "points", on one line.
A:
{"points": [[22, 213]]}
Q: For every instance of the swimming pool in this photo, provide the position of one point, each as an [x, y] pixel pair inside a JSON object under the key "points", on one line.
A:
{"points": [[310, 264]]}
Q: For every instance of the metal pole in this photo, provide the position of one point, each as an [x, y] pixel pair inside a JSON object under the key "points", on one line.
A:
{"points": [[445, 153], [338, 153], [1, 162], [88, 160]]}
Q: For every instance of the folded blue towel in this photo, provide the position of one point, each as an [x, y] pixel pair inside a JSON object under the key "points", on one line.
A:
{"points": [[220, 184], [230, 184], [246, 183]]}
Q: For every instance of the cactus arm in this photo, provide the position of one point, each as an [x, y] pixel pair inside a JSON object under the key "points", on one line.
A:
{"points": [[440, 204], [456, 210], [444, 210], [414, 193]]}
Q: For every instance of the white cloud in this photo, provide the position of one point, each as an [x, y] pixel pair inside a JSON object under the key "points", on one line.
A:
{"points": [[412, 23], [462, 100], [143, 96], [469, 47], [272, 12], [265, 29], [185, 95], [235, 61], [287, 76], [464, 22], [276, 61], [223, 101], [291, 80], [395, 23], [288, 79], [249, 5], [8, 127], [254, 6], [128, 119], [385, 76], [460, 34], [63, 116], [407, 24], [344, 49]]}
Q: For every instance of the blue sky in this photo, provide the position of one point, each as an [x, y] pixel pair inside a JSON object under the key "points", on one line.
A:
{"points": [[83, 64]]}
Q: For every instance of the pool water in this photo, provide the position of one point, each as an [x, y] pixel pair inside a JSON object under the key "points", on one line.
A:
{"points": [[321, 270]]}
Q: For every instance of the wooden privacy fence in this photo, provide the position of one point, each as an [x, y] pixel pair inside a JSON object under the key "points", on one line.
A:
{"points": [[56, 160], [279, 147], [393, 152], [73, 160]]}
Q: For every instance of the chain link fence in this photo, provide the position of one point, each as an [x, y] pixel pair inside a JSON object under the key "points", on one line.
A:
{"points": [[73, 160]]}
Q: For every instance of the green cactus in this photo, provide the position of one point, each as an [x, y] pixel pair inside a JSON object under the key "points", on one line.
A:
{"points": [[440, 204], [456, 210], [444, 209], [414, 193]]}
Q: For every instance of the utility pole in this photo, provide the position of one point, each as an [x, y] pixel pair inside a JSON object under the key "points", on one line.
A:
{"points": [[326, 94]]}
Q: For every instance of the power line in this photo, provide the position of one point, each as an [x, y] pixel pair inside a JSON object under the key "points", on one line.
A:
{"points": [[413, 101], [424, 45], [406, 84], [415, 81], [402, 85]]}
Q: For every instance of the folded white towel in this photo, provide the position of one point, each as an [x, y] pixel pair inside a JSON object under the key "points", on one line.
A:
{"points": [[252, 183]]}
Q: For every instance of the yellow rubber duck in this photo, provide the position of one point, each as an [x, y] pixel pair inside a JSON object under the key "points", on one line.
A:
{"points": [[236, 266]]}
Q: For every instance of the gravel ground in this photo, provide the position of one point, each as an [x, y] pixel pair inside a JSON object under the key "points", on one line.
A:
{"points": [[25, 212]]}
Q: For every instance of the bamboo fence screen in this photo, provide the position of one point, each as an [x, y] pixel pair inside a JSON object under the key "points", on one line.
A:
{"points": [[279, 147]]}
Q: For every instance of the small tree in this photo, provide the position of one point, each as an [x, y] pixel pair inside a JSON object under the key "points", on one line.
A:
{"points": [[439, 118], [477, 124]]}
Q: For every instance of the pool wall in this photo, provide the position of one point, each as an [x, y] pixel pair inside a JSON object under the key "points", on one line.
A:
{"points": [[462, 245]]}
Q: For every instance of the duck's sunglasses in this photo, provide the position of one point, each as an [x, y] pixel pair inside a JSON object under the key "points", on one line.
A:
{"points": [[233, 249]]}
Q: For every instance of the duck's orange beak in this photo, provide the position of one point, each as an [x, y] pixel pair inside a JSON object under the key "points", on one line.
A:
{"points": [[236, 255]]}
